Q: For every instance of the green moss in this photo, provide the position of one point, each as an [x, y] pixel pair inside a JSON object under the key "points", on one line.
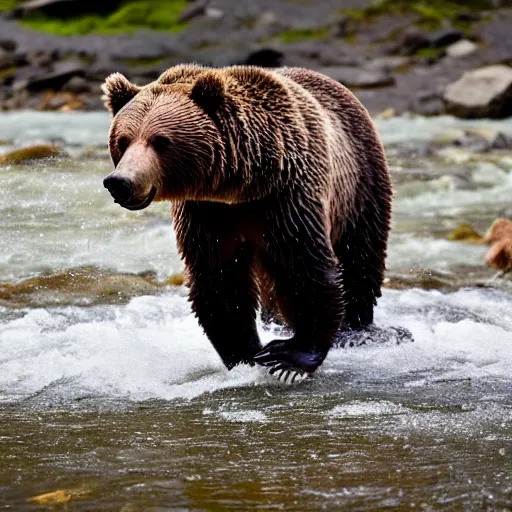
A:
{"points": [[6, 72], [131, 16], [429, 53], [301, 34], [431, 13], [142, 62], [7, 5]]}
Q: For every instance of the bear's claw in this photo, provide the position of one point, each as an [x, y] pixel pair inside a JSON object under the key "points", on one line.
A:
{"points": [[285, 357]]}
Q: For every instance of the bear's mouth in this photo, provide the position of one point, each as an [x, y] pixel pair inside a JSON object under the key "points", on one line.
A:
{"points": [[132, 205]]}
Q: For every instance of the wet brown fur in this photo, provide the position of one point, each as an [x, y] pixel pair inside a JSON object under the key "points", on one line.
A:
{"points": [[280, 194]]}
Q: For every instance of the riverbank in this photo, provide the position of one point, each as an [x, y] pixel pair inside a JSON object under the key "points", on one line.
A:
{"points": [[396, 59]]}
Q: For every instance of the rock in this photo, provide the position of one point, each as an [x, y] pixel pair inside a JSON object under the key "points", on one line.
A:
{"points": [[474, 142], [55, 100], [77, 85], [412, 40], [388, 63], [484, 92], [176, 279], [60, 74], [194, 10], [93, 103], [7, 45], [80, 285], [444, 37], [266, 57], [9, 60], [431, 106], [483, 138], [213, 13], [358, 77], [23, 155], [461, 48], [499, 237], [41, 58], [464, 233]]}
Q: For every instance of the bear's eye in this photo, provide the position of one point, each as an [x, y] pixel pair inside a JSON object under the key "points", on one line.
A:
{"points": [[160, 142], [123, 143]]}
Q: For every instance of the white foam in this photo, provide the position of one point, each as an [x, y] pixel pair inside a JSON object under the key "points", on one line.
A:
{"points": [[153, 347]]}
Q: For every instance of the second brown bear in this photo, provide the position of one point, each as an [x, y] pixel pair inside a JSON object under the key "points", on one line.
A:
{"points": [[281, 198]]}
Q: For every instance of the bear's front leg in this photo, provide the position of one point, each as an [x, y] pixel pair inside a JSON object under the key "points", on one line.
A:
{"points": [[309, 292], [222, 286]]}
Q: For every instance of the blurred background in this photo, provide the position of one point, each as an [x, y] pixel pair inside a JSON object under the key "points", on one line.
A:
{"points": [[397, 55], [111, 396]]}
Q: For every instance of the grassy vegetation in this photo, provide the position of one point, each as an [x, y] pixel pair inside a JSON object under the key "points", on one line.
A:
{"points": [[131, 16], [431, 13], [7, 5], [302, 34]]}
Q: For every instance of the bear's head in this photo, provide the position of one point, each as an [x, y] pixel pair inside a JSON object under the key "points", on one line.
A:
{"points": [[163, 140]]}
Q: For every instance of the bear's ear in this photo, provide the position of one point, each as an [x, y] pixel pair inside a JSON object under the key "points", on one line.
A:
{"points": [[118, 92], [209, 91]]}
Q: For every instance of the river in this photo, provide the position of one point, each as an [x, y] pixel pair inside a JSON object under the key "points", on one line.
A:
{"points": [[111, 397]]}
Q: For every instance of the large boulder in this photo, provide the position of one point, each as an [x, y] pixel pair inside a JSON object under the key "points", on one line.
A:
{"points": [[483, 92]]}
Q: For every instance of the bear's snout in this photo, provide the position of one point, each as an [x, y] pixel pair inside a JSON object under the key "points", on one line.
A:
{"points": [[120, 188]]}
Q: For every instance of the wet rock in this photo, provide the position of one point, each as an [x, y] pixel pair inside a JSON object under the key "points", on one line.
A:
{"points": [[484, 92], [461, 49], [357, 77], [82, 285], [481, 139], [499, 237], [423, 279], [176, 279], [464, 233], [23, 155]]}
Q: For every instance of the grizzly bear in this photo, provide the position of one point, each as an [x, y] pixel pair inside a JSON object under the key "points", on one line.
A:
{"points": [[281, 198]]}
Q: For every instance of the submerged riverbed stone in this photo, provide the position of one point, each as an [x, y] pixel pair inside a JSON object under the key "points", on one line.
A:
{"points": [[20, 156], [81, 285], [484, 92]]}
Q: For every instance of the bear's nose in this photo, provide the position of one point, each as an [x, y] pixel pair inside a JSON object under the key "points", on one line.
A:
{"points": [[120, 188]]}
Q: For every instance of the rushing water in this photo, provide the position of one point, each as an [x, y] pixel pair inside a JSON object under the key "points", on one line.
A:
{"points": [[112, 397]]}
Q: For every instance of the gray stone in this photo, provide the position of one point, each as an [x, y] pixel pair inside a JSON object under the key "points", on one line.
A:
{"points": [[9, 60], [388, 63], [412, 40], [461, 48], [57, 77], [483, 92], [77, 85], [357, 77]]}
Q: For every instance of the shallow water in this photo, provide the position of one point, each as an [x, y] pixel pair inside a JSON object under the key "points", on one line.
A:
{"points": [[111, 393]]}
